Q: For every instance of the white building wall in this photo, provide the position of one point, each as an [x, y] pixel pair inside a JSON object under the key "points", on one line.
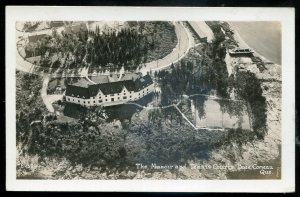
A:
{"points": [[77, 100], [118, 98]]}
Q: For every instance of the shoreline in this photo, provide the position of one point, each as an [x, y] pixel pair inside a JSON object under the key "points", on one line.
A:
{"points": [[242, 44], [270, 148]]}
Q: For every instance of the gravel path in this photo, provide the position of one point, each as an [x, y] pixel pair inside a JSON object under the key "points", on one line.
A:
{"points": [[49, 99]]}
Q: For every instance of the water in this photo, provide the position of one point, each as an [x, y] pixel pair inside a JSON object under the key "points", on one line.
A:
{"points": [[263, 36]]}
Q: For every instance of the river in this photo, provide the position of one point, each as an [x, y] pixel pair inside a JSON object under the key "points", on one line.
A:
{"points": [[263, 36]]}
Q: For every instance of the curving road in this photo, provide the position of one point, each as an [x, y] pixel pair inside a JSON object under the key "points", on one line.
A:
{"points": [[22, 38], [185, 42]]}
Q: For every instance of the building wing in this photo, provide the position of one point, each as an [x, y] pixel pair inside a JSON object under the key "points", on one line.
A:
{"points": [[91, 90], [77, 91]]}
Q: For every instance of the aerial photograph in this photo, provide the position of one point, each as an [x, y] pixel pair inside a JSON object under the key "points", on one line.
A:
{"points": [[177, 100]]}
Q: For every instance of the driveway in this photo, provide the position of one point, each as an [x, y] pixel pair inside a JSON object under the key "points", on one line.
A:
{"points": [[49, 99]]}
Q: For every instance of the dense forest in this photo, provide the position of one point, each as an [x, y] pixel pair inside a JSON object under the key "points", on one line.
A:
{"points": [[202, 70], [94, 142], [127, 48], [130, 47], [29, 104], [249, 88]]}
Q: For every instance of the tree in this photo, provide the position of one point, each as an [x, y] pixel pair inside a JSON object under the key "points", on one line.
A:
{"points": [[249, 88]]}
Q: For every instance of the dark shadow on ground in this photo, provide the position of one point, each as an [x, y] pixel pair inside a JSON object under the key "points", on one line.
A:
{"points": [[74, 110], [126, 111]]}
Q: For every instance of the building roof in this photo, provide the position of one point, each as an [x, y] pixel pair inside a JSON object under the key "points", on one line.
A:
{"points": [[202, 29], [92, 90], [114, 77], [143, 82], [130, 76], [100, 79], [77, 91], [82, 82], [112, 88]]}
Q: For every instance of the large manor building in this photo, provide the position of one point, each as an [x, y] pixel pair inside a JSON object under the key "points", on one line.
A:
{"points": [[109, 90]]}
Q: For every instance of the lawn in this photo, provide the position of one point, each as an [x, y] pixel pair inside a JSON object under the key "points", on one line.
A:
{"points": [[216, 114]]}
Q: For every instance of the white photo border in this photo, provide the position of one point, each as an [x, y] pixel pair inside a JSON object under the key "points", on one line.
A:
{"points": [[285, 15]]}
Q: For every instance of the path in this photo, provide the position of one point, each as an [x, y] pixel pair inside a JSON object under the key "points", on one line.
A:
{"points": [[212, 97], [22, 37], [21, 63], [182, 114], [49, 99], [150, 108]]}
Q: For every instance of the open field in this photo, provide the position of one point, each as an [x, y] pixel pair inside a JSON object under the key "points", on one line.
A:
{"points": [[210, 113]]}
